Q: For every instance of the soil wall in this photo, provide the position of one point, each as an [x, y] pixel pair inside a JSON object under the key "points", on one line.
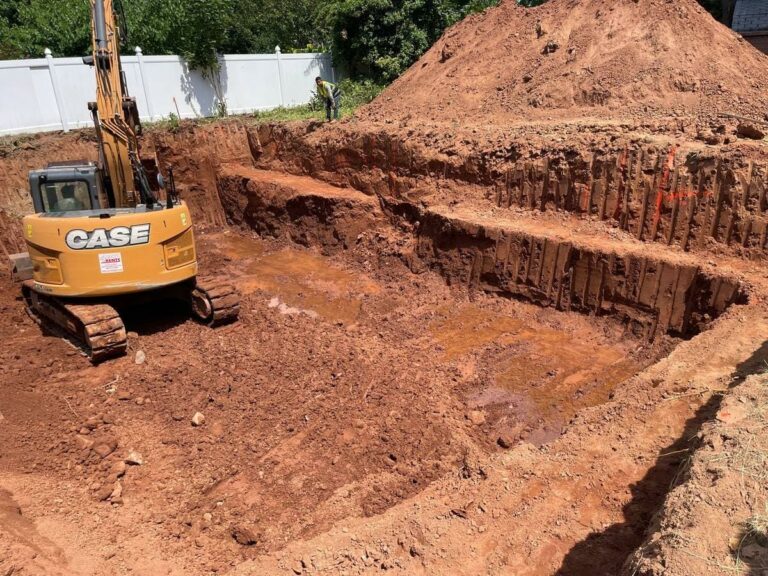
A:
{"points": [[673, 196], [667, 194], [194, 152], [650, 294]]}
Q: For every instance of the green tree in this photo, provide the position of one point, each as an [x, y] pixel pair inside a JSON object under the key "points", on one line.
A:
{"points": [[155, 25], [379, 39], [29, 27], [260, 25], [713, 6]]}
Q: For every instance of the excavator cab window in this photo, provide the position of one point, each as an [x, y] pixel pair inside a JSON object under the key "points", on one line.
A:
{"points": [[66, 196], [66, 188]]}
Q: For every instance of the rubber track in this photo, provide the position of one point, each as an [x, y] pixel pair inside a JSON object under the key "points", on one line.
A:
{"points": [[97, 328], [223, 298]]}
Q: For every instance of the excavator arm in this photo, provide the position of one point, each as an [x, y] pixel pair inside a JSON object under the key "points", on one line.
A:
{"points": [[115, 116]]}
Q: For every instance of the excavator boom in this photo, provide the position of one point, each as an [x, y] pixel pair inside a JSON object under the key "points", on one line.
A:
{"points": [[114, 112]]}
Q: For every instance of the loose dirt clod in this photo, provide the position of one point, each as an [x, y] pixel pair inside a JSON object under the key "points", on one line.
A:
{"points": [[243, 535], [750, 131], [134, 458], [104, 446]]}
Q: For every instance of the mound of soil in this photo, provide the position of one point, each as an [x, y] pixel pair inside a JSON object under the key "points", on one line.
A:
{"points": [[572, 59]]}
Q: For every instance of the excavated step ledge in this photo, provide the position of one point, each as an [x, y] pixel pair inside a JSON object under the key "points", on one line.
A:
{"points": [[653, 290], [658, 193], [305, 210]]}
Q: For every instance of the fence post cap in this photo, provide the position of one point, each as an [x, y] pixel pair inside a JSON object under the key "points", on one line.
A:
{"points": [[137, 50], [47, 52], [277, 49]]}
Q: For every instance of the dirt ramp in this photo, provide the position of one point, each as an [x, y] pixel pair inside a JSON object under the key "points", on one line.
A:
{"points": [[580, 58]]}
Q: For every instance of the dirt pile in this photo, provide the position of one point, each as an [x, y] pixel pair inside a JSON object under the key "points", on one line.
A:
{"points": [[573, 59]]}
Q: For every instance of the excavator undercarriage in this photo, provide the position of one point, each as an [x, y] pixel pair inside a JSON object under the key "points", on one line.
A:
{"points": [[97, 328]]}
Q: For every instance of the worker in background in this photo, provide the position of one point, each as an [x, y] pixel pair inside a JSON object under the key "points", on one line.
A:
{"points": [[331, 94]]}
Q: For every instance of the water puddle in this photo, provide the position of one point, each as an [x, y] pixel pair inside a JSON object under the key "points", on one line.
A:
{"points": [[297, 281], [535, 378]]}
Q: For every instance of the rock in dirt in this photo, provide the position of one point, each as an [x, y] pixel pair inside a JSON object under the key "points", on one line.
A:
{"points": [[551, 47], [117, 491], [750, 131], [83, 442], [446, 53], [477, 417], [134, 458], [709, 137], [243, 536], [104, 446], [93, 422], [505, 441], [104, 492], [141, 357], [117, 469], [198, 419]]}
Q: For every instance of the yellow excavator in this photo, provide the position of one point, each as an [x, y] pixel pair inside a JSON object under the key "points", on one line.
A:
{"points": [[100, 236]]}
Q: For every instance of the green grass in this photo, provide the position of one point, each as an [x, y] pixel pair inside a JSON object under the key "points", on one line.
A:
{"points": [[353, 95]]}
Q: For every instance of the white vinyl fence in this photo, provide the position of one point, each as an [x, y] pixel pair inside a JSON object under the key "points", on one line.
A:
{"points": [[52, 93]]}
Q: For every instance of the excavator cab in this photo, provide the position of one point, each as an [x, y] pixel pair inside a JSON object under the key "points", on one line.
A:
{"points": [[66, 187]]}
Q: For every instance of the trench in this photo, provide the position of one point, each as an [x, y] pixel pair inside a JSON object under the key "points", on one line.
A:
{"points": [[407, 319]]}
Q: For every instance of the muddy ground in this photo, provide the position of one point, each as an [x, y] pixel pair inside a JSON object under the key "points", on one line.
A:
{"points": [[466, 363]]}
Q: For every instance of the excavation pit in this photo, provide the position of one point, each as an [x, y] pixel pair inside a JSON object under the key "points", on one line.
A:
{"points": [[416, 361]]}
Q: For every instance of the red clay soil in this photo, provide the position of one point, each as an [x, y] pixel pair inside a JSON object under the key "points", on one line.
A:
{"points": [[462, 350], [570, 59], [368, 412], [716, 520], [339, 393]]}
